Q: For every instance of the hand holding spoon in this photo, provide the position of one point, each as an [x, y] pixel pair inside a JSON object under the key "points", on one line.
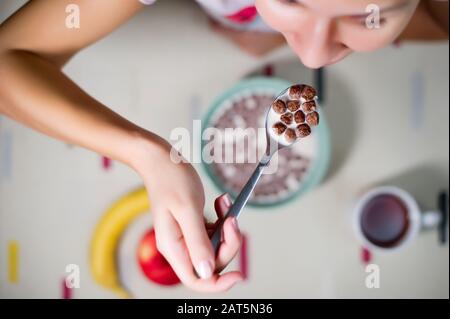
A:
{"points": [[288, 119]]}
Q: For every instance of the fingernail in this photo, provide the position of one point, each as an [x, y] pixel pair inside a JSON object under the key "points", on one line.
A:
{"points": [[235, 224], [227, 200], [204, 269]]}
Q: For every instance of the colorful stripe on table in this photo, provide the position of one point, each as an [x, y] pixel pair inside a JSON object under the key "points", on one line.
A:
{"points": [[13, 261], [366, 255], [106, 163], [268, 70], [243, 257], [66, 292]]}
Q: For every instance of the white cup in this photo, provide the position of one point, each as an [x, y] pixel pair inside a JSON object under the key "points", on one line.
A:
{"points": [[417, 220]]}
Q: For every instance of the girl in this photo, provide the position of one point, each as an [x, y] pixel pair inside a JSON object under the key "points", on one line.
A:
{"points": [[35, 44]]}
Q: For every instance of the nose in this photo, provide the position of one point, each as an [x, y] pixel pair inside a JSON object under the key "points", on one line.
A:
{"points": [[315, 43]]}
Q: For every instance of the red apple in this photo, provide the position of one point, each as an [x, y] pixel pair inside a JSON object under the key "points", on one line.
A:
{"points": [[153, 264]]}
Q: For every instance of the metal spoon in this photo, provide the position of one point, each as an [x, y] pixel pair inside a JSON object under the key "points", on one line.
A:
{"points": [[273, 145]]}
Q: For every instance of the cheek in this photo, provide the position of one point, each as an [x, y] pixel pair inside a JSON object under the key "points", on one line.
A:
{"points": [[295, 43], [367, 42], [365, 39]]}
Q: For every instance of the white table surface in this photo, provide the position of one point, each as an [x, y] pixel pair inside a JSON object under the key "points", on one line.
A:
{"points": [[52, 195]]}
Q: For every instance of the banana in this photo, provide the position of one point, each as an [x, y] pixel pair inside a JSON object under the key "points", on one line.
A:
{"points": [[107, 235]]}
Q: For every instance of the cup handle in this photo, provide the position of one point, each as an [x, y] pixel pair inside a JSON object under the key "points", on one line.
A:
{"points": [[443, 209], [431, 219], [438, 219]]}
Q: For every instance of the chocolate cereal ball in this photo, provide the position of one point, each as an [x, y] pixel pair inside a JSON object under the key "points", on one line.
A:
{"points": [[293, 106], [312, 118], [309, 106], [290, 135], [287, 118], [279, 106], [303, 130], [295, 92], [299, 117], [308, 93], [279, 128]]}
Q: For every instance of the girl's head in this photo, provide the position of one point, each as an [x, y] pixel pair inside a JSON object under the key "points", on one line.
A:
{"points": [[322, 32]]}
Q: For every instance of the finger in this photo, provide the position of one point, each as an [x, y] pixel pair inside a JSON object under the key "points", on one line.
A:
{"points": [[172, 246], [170, 243], [218, 283], [230, 245], [197, 241], [222, 204]]}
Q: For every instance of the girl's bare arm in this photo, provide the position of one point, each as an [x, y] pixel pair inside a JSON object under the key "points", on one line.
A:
{"points": [[34, 45]]}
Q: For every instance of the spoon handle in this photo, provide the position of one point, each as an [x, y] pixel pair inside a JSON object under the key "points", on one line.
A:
{"points": [[240, 202]]}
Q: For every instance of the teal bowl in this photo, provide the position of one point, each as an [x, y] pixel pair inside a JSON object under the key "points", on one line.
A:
{"points": [[318, 167]]}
